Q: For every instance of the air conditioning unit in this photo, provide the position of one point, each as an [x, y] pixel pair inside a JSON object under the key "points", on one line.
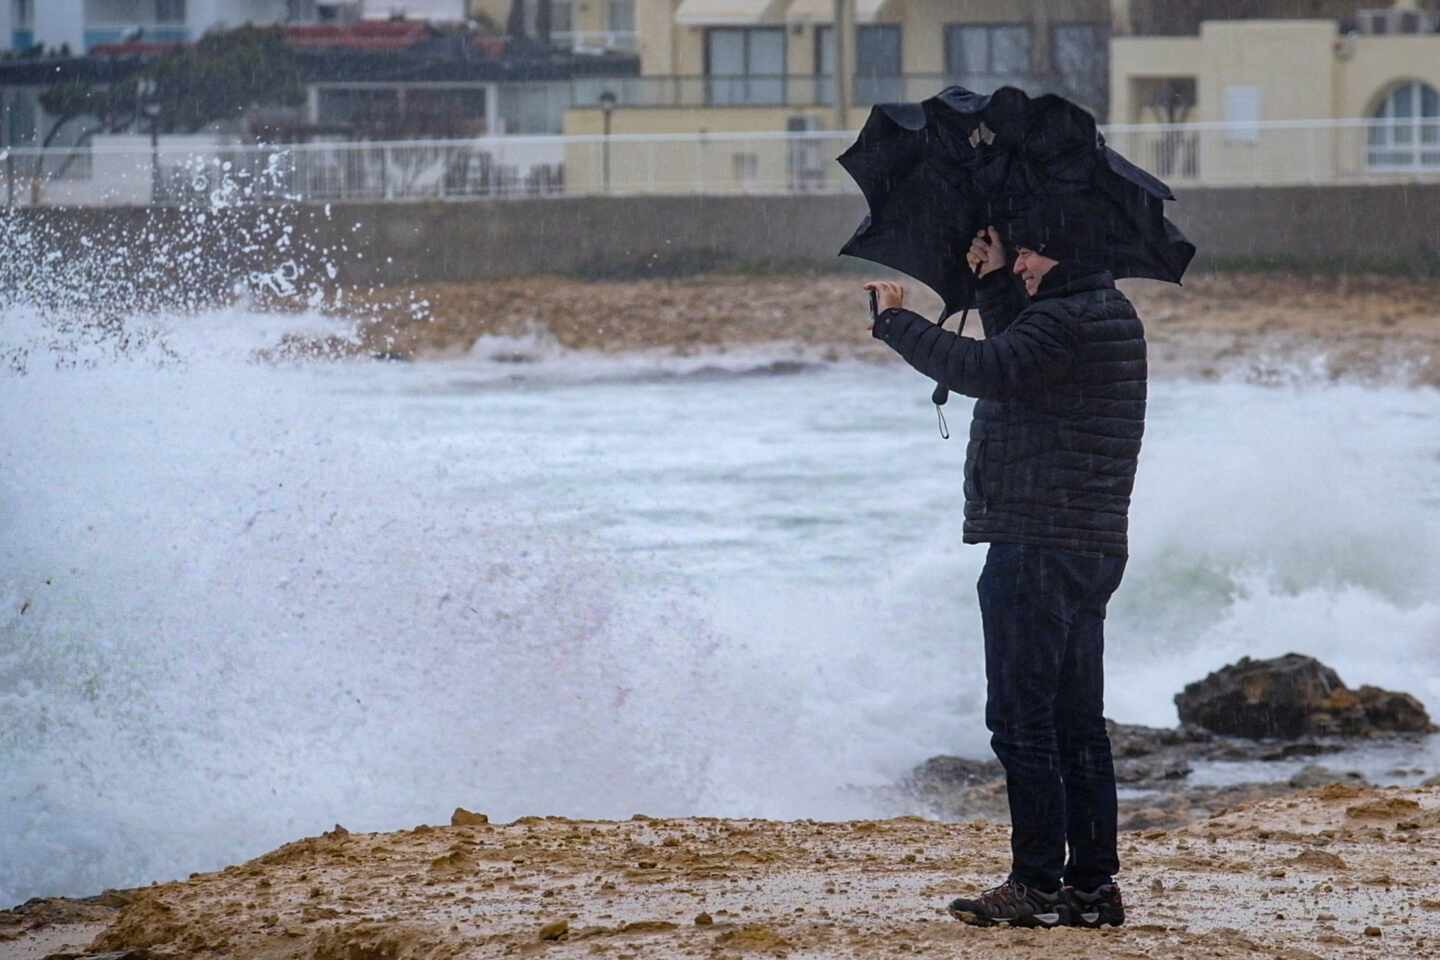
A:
{"points": [[806, 161], [1395, 22]]}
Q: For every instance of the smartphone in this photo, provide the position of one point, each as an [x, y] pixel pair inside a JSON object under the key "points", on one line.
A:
{"points": [[874, 306]]}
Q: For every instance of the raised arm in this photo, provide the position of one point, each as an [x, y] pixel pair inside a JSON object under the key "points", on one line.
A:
{"points": [[997, 293], [1000, 298], [1033, 350]]}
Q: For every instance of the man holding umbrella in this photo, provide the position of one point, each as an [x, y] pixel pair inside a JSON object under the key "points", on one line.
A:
{"points": [[1060, 382], [1060, 385]]}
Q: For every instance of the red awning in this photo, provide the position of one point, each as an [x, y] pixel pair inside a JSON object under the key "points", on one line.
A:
{"points": [[365, 35]]}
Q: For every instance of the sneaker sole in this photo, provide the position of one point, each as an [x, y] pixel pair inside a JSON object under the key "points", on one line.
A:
{"points": [[1040, 921]]}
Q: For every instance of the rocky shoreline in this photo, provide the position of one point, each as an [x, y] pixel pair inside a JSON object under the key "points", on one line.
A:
{"points": [[1260, 327], [1338, 871], [1201, 858], [1153, 767], [1254, 713]]}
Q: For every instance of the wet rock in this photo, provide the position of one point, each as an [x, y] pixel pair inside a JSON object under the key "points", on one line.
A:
{"points": [[1386, 808], [464, 818], [48, 911], [1294, 696], [1134, 740], [956, 788], [949, 773], [1300, 748], [1313, 775], [1319, 860], [1394, 712], [1135, 771], [754, 937], [1187, 804]]}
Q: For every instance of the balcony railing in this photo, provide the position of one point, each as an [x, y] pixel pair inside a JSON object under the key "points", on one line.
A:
{"points": [[1269, 154], [790, 90], [596, 41]]}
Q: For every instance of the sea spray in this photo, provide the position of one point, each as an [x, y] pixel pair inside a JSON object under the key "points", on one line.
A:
{"points": [[93, 285], [241, 601], [244, 602]]}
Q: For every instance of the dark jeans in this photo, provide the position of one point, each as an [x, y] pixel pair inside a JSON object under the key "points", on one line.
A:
{"points": [[1044, 615]]}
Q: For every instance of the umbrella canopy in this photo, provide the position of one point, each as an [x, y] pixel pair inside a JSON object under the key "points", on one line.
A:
{"points": [[935, 173]]}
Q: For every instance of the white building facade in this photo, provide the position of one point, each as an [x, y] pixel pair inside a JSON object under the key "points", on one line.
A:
{"points": [[80, 25]]}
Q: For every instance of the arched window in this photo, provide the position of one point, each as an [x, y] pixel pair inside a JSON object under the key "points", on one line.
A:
{"points": [[1405, 129]]}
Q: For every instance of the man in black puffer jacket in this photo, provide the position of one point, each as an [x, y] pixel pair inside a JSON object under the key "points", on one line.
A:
{"points": [[1059, 382]]}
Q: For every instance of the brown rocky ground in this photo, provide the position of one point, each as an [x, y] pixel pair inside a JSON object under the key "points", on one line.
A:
{"points": [[1337, 872], [1259, 326]]}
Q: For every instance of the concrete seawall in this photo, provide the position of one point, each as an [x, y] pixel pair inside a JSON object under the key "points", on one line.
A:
{"points": [[1391, 228]]}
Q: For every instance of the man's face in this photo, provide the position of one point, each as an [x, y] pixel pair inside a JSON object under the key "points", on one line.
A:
{"points": [[1032, 267]]}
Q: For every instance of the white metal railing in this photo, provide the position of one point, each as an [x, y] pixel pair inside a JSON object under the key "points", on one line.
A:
{"points": [[596, 41], [1274, 153]]}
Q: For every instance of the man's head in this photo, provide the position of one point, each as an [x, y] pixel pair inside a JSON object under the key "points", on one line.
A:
{"points": [[1053, 232], [1032, 267]]}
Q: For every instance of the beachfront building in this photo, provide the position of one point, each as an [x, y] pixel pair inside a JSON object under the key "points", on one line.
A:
{"points": [[405, 83], [1371, 76], [78, 26], [583, 26], [769, 66]]}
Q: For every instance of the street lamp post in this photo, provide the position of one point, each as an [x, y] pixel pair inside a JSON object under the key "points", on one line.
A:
{"points": [[150, 107], [842, 93], [607, 106]]}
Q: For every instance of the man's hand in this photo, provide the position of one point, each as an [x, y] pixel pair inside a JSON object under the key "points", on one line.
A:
{"points": [[987, 253], [888, 294]]}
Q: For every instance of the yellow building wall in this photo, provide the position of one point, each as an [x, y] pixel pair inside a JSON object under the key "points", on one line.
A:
{"points": [[1133, 59], [1304, 70], [1292, 65], [655, 22], [497, 10], [1376, 64]]}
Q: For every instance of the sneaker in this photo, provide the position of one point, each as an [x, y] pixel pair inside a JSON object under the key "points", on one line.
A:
{"points": [[1096, 908], [1012, 904]]}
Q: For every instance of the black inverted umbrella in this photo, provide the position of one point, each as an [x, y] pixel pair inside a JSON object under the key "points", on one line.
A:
{"points": [[937, 172]]}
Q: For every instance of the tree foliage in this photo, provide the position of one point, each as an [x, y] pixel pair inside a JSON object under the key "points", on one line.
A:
{"points": [[223, 75]]}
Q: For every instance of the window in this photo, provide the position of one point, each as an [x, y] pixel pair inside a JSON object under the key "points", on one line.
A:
{"points": [[825, 64], [1081, 54], [877, 64], [562, 18], [169, 11], [995, 49], [620, 25], [621, 16], [745, 65], [1405, 129], [1242, 114]]}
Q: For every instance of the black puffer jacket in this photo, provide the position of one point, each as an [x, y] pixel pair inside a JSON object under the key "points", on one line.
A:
{"points": [[1060, 382]]}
